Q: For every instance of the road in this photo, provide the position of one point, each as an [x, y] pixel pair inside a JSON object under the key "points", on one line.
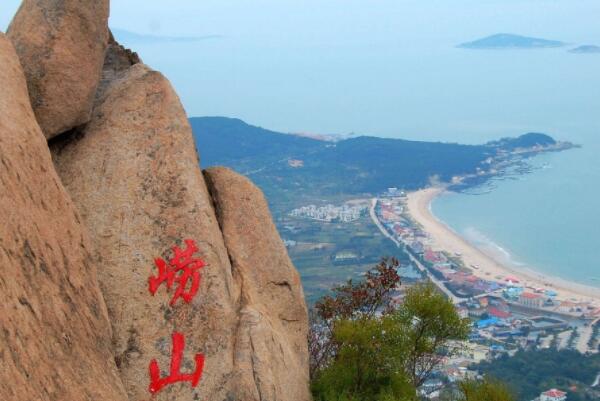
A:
{"points": [[437, 282]]}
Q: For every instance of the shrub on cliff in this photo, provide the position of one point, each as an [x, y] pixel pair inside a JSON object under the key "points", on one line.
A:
{"points": [[350, 301], [364, 349], [378, 353]]}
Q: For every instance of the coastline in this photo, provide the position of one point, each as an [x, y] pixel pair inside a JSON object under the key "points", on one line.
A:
{"points": [[443, 238]]}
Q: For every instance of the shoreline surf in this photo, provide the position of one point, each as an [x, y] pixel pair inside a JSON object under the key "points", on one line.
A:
{"points": [[443, 238]]}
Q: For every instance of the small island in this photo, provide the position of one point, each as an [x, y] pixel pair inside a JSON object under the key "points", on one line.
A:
{"points": [[586, 49], [510, 41]]}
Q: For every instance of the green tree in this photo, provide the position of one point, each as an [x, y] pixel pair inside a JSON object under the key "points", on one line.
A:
{"points": [[364, 367], [429, 327], [352, 300], [364, 349], [530, 372], [390, 357], [484, 390]]}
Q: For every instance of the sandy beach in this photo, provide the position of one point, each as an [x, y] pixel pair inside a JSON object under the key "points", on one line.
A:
{"points": [[443, 238]]}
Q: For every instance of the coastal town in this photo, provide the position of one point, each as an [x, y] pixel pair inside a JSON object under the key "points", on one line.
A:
{"points": [[508, 312], [345, 213]]}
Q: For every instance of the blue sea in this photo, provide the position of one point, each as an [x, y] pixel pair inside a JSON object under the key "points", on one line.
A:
{"points": [[548, 220]]}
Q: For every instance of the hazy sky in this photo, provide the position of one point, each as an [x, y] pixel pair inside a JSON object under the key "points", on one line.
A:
{"points": [[309, 19], [386, 67]]}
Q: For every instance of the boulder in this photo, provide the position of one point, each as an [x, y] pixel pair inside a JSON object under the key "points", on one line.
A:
{"points": [[271, 356], [61, 44], [55, 338], [133, 173]]}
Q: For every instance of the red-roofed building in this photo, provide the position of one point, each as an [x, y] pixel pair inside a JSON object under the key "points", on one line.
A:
{"points": [[553, 395], [432, 257], [567, 306], [500, 314], [531, 300], [398, 229], [460, 278], [389, 216]]}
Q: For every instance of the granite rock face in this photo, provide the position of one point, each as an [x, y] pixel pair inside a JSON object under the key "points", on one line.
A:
{"points": [[272, 334], [133, 173], [61, 45], [55, 338]]}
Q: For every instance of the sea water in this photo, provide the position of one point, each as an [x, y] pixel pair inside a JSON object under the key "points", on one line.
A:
{"points": [[548, 220]]}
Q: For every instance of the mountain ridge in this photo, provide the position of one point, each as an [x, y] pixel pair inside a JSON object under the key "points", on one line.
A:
{"points": [[281, 162]]}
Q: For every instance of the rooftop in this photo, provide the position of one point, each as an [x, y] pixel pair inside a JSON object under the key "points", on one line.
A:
{"points": [[530, 295], [495, 312], [554, 393]]}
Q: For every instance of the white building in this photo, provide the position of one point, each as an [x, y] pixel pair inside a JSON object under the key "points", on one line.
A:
{"points": [[330, 213]]}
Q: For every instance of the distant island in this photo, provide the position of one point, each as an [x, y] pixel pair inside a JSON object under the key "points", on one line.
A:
{"points": [[509, 41], [130, 37], [586, 49]]}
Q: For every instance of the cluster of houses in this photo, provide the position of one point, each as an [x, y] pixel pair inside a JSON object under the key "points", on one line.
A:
{"points": [[461, 280], [328, 213], [507, 315], [500, 321], [389, 211]]}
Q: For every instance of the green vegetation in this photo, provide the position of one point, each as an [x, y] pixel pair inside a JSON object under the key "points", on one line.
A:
{"points": [[595, 337], [573, 337], [524, 141], [488, 390], [353, 166], [364, 350], [531, 372], [554, 341], [318, 243]]}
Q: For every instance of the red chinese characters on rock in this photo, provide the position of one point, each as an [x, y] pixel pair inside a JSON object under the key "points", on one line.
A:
{"points": [[175, 376], [182, 268]]}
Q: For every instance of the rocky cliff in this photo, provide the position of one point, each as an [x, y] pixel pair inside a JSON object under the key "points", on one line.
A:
{"points": [[55, 336], [129, 274]]}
